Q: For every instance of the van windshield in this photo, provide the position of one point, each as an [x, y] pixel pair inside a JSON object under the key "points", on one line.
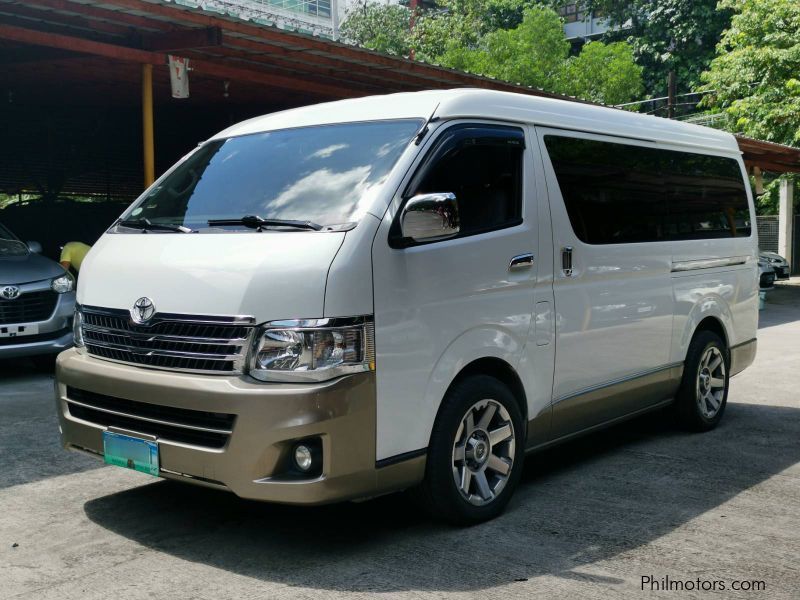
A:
{"points": [[327, 175]]}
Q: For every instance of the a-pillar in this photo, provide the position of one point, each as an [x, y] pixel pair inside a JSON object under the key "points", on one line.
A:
{"points": [[786, 219]]}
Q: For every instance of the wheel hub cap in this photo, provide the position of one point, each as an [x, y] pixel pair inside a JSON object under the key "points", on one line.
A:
{"points": [[483, 452], [711, 382]]}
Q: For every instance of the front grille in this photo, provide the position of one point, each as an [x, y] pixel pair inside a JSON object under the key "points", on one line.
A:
{"points": [[196, 427], [30, 307], [200, 344]]}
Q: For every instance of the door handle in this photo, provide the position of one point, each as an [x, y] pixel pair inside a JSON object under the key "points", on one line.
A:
{"points": [[521, 261], [566, 260]]}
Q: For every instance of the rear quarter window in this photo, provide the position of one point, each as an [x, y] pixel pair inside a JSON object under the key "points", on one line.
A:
{"points": [[620, 193]]}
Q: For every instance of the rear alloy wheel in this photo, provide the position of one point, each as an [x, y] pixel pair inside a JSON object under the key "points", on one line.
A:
{"points": [[711, 382], [703, 394], [475, 453]]}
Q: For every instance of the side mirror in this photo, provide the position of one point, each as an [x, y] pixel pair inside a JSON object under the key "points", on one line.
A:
{"points": [[430, 217], [34, 247]]}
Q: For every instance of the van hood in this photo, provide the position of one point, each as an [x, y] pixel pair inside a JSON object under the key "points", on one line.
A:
{"points": [[267, 275], [16, 270]]}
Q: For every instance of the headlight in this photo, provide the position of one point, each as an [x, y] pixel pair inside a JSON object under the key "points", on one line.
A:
{"points": [[313, 349], [77, 328], [63, 284]]}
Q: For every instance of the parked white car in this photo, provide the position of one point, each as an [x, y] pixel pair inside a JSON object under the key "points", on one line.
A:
{"points": [[348, 299]]}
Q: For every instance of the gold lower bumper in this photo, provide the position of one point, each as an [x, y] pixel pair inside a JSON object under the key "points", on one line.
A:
{"points": [[269, 418]]}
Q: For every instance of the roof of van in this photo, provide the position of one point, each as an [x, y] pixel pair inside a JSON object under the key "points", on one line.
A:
{"points": [[491, 104]]}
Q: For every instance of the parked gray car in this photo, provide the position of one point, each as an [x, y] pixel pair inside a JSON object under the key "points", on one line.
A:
{"points": [[37, 301], [779, 264]]}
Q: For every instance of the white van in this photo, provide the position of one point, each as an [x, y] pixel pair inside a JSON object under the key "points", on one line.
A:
{"points": [[412, 290]]}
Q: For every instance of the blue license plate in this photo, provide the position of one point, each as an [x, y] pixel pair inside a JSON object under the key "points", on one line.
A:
{"points": [[130, 452]]}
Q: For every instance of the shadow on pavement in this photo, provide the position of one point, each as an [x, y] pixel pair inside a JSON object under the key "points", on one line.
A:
{"points": [[29, 442], [782, 304], [577, 504]]}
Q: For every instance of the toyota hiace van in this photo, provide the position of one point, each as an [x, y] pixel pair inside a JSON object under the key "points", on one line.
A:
{"points": [[412, 291]]}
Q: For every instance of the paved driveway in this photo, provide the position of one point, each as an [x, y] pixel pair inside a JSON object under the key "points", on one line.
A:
{"points": [[590, 519]]}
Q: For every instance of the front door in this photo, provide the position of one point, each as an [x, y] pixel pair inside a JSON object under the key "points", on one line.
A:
{"points": [[442, 304]]}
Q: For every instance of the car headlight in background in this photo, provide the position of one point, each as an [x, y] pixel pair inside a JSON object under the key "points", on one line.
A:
{"points": [[313, 349], [63, 284]]}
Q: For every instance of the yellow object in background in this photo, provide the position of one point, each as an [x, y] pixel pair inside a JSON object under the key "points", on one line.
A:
{"points": [[73, 254]]}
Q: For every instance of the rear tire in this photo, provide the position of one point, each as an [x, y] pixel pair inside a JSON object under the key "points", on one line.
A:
{"points": [[703, 393], [476, 452]]}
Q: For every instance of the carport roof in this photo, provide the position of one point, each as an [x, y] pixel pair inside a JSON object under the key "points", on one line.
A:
{"points": [[94, 47]]}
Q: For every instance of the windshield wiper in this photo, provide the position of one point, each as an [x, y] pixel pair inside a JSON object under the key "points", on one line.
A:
{"points": [[256, 222], [147, 225]]}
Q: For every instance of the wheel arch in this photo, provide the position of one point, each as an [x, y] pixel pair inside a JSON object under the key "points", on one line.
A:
{"points": [[714, 325], [500, 370], [709, 314]]}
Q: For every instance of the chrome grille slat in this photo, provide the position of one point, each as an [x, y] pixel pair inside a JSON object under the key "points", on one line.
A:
{"points": [[189, 343]]}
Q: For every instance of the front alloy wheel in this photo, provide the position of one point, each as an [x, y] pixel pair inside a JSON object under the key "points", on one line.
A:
{"points": [[475, 453], [483, 452]]}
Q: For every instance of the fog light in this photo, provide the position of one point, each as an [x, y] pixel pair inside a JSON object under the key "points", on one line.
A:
{"points": [[303, 458]]}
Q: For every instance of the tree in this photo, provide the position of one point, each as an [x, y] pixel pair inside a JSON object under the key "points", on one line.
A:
{"points": [[604, 73], [500, 39], [380, 27], [666, 35], [534, 53], [755, 79]]}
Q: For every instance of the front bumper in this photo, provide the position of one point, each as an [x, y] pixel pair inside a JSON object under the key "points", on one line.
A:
{"points": [[782, 271], [269, 419]]}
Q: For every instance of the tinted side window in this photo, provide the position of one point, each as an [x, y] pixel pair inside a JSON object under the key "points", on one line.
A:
{"points": [[614, 193], [706, 198], [485, 174], [618, 193]]}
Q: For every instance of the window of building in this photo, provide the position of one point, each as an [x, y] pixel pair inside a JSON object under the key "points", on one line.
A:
{"points": [[619, 193]]}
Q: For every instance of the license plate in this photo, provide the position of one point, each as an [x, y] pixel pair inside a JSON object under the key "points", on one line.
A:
{"points": [[784, 270], [9, 331], [130, 452]]}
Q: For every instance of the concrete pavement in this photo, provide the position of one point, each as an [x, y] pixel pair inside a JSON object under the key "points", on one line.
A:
{"points": [[590, 519]]}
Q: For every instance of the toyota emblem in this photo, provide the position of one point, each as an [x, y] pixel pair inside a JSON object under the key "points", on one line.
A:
{"points": [[143, 310], [9, 292]]}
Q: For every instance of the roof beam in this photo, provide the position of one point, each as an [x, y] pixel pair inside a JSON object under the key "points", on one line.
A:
{"points": [[65, 42], [183, 39]]}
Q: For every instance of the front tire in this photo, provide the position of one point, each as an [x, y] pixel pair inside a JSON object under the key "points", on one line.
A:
{"points": [[476, 452], [703, 394]]}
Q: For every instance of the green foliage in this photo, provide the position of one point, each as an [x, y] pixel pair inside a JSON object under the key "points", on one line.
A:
{"points": [[384, 28], [754, 78], [460, 24], [604, 73], [667, 35], [534, 53], [506, 39]]}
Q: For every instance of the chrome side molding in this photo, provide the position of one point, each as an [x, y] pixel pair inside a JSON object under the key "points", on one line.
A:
{"points": [[707, 263]]}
